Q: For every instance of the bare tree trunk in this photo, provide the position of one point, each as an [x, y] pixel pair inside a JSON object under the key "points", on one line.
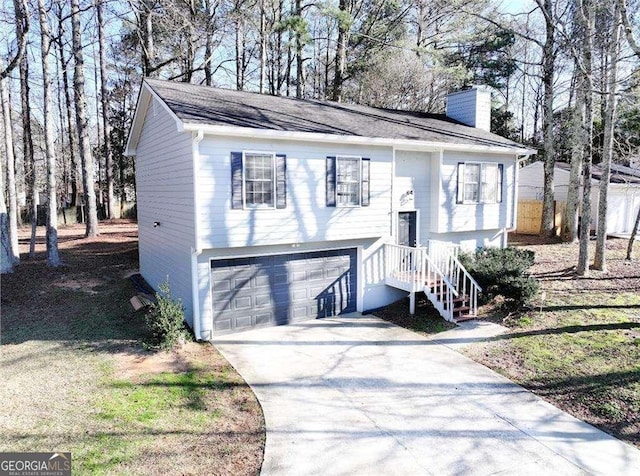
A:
{"points": [[240, 50], [325, 94], [6, 263], [6, 251], [74, 154], [27, 149], [548, 72], [106, 127], [570, 223], [586, 15], [99, 136], [53, 258], [600, 262], [10, 171], [145, 28], [341, 53], [299, 58], [263, 47], [632, 238], [82, 124], [278, 76], [208, 47]]}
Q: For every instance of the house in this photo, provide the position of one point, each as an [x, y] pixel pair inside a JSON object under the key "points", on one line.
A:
{"points": [[623, 196], [264, 210]]}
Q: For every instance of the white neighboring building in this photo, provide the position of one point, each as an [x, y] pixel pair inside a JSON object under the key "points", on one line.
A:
{"points": [[623, 198]]}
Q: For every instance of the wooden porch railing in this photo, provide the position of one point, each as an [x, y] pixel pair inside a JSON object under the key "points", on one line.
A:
{"points": [[436, 271]]}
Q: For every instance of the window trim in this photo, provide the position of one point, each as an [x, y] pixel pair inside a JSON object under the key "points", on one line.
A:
{"points": [[246, 205], [462, 183], [351, 157]]}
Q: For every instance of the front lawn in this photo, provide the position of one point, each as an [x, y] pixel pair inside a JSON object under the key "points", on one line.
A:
{"points": [[76, 378], [579, 346]]}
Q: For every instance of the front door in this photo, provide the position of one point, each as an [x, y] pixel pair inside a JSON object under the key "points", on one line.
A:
{"points": [[407, 222]]}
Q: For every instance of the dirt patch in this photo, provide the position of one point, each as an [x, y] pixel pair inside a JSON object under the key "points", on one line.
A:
{"points": [[555, 265], [425, 321], [134, 362], [86, 285]]}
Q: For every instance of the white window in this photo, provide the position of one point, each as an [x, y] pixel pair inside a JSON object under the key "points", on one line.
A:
{"points": [[479, 182], [259, 180], [489, 183], [348, 181], [471, 182]]}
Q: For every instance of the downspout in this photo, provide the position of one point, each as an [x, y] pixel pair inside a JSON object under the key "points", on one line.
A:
{"points": [[514, 208], [393, 178], [196, 250]]}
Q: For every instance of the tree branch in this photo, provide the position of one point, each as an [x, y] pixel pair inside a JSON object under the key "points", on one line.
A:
{"points": [[22, 22], [628, 31]]}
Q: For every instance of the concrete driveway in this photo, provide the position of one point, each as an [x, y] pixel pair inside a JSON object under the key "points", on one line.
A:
{"points": [[358, 395]]}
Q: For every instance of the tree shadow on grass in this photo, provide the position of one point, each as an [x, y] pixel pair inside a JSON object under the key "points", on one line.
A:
{"points": [[588, 383], [569, 330]]}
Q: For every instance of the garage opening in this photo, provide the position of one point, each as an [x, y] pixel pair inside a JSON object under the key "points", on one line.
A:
{"points": [[280, 289]]}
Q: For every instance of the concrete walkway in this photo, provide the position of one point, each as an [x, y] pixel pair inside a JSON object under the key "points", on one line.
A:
{"points": [[358, 395]]}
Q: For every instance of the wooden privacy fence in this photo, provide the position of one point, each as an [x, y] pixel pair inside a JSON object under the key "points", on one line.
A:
{"points": [[530, 216]]}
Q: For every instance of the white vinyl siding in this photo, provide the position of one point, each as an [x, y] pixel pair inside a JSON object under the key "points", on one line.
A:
{"points": [[165, 194], [306, 217], [457, 215], [412, 187]]}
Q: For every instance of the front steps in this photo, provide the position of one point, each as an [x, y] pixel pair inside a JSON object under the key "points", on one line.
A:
{"points": [[462, 310]]}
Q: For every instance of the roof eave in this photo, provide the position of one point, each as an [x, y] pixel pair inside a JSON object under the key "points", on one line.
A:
{"points": [[357, 140], [144, 100]]}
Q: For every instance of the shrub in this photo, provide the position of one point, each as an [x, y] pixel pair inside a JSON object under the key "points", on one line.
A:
{"points": [[165, 320], [503, 272]]}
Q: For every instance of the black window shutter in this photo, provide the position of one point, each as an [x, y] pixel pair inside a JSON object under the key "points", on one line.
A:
{"points": [[281, 181], [331, 181], [366, 173], [236, 180], [500, 176], [460, 188]]}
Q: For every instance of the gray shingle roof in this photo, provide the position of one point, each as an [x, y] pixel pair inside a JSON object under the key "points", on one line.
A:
{"points": [[619, 173], [207, 105]]}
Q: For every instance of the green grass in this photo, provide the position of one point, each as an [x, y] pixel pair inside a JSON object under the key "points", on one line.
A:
{"points": [[582, 352], [129, 414]]}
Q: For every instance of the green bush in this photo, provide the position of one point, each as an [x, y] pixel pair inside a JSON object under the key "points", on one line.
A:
{"points": [[503, 272], [165, 320]]}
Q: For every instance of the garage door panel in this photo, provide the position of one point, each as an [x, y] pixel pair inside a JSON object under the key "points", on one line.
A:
{"points": [[264, 318], [299, 295], [263, 300], [244, 322], [263, 290], [222, 325]]}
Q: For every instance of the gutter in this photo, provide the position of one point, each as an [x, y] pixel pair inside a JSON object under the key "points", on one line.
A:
{"points": [[408, 144], [196, 250]]}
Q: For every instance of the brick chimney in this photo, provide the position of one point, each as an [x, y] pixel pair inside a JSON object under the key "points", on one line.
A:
{"points": [[471, 107]]}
